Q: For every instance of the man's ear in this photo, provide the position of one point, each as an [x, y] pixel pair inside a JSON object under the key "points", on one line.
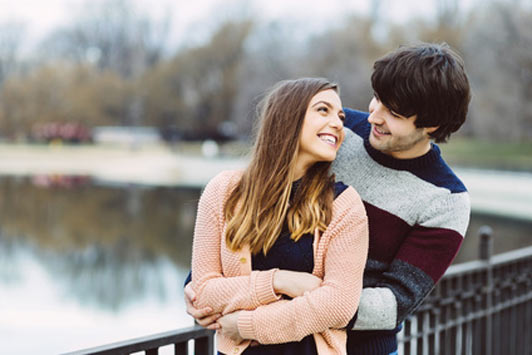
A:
{"points": [[430, 130]]}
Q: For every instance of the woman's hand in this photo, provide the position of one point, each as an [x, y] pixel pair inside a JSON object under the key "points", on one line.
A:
{"points": [[294, 283], [229, 326]]}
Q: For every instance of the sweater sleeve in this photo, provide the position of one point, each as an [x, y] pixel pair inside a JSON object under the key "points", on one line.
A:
{"points": [[212, 288], [424, 256], [332, 304]]}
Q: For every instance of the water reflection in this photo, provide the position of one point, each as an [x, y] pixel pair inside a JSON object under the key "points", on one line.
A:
{"points": [[65, 181], [103, 243]]}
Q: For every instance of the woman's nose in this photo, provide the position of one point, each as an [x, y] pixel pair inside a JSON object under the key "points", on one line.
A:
{"points": [[336, 122]]}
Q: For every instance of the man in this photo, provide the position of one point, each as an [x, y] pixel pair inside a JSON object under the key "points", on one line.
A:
{"points": [[418, 210]]}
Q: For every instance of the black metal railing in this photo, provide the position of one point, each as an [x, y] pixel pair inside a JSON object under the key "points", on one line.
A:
{"points": [[480, 307], [202, 338]]}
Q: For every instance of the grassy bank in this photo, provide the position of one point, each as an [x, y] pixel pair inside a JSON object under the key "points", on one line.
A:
{"points": [[488, 155], [458, 152]]}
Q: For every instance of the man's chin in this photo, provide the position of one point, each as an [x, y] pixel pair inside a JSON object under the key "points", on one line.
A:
{"points": [[381, 147], [373, 141]]}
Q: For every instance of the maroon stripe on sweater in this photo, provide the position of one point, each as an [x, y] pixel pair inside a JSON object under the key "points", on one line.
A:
{"points": [[431, 249], [386, 233]]}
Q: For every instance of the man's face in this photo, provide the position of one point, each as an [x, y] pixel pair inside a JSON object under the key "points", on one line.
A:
{"points": [[396, 135]]}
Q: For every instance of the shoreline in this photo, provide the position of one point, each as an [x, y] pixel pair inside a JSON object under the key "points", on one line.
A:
{"points": [[502, 193], [147, 165]]}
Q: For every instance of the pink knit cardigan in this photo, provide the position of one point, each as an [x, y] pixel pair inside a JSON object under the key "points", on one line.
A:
{"points": [[223, 279]]}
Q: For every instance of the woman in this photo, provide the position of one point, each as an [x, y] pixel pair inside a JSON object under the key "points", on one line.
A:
{"points": [[279, 249]]}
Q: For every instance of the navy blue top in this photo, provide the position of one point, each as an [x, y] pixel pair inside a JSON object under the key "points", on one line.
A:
{"points": [[286, 254]]}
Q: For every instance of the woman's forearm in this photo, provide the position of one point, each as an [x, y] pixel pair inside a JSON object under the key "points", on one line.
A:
{"points": [[294, 283], [228, 294]]}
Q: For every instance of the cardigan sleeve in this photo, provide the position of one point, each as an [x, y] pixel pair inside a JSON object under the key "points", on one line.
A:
{"points": [[332, 304], [222, 294]]}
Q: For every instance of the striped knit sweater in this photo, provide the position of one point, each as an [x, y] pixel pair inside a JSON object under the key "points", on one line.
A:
{"points": [[418, 212], [224, 280]]}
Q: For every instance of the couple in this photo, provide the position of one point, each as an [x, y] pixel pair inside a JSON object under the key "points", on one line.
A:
{"points": [[289, 259]]}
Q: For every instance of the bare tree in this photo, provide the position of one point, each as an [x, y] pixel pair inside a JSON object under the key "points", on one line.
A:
{"points": [[447, 12], [197, 88], [500, 64], [113, 35], [11, 37]]}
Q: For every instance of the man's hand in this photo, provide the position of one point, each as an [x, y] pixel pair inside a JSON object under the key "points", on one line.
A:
{"points": [[294, 283], [229, 326], [204, 316]]}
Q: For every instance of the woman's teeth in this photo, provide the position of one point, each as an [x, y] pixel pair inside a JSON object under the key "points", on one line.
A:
{"points": [[328, 139]]}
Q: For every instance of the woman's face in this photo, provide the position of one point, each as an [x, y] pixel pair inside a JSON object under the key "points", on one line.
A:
{"points": [[322, 132]]}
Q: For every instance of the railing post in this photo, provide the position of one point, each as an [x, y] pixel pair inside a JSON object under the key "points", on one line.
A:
{"points": [[486, 251], [204, 346], [486, 243]]}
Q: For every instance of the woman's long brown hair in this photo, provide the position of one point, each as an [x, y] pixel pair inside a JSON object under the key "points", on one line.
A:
{"points": [[260, 204]]}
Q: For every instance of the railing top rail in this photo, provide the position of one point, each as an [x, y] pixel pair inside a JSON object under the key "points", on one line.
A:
{"points": [[464, 267], [495, 260], [147, 342], [512, 255]]}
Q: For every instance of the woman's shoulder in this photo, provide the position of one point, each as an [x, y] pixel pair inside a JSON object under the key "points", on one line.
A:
{"points": [[227, 176], [223, 181]]}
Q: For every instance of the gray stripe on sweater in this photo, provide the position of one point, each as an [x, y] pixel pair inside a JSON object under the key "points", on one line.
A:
{"points": [[398, 293], [377, 309], [394, 190]]}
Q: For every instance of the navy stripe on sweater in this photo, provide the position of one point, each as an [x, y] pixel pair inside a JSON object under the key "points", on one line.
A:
{"points": [[429, 167]]}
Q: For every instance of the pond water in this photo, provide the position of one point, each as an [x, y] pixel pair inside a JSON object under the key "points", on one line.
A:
{"points": [[83, 263]]}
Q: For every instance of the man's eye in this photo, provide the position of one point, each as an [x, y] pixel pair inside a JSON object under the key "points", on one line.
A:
{"points": [[394, 114]]}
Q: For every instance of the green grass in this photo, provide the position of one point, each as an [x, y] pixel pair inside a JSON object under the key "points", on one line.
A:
{"points": [[487, 154]]}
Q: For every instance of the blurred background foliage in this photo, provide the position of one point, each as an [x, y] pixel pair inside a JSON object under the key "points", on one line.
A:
{"points": [[113, 66]]}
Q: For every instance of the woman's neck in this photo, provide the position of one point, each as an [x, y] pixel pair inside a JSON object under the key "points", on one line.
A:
{"points": [[300, 169]]}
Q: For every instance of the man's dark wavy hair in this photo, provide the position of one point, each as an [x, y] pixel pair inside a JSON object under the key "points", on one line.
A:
{"points": [[428, 80]]}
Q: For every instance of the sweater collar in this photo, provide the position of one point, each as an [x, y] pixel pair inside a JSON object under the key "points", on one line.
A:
{"points": [[427, 159]]}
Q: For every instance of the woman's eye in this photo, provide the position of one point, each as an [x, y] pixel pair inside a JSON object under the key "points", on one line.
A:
{"points": [[342, 118], [323, 109]]}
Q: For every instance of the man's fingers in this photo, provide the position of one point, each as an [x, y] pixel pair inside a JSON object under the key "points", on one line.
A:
{"points": [[207, 321], [189, 293], [199, 313], [213, 326]]}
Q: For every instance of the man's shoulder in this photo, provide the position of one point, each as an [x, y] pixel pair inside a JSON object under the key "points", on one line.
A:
{"points": [[355, 120], [442, 175]]}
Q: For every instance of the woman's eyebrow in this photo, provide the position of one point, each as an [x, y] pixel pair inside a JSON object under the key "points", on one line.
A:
{"points": [[322, 102]]}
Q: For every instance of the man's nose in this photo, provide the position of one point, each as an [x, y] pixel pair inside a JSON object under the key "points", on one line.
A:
{"points": [[375, 117]]}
